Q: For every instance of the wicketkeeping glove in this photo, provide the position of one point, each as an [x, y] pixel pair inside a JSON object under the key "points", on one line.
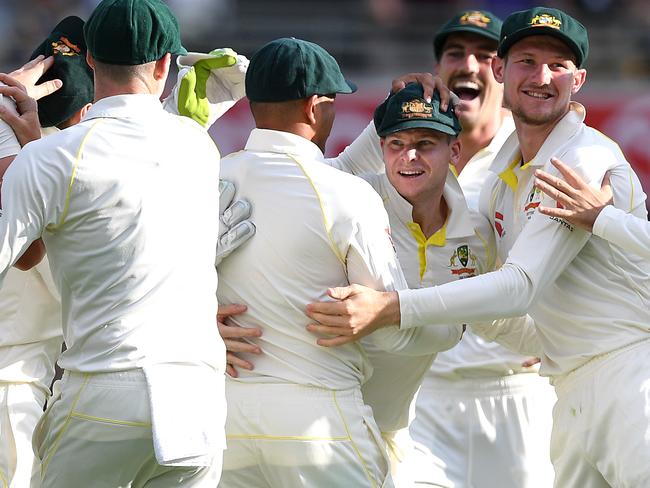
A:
{"points": [[235, 228], [208, 85]]}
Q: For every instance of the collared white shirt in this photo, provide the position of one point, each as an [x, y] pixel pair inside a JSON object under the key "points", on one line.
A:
{"points": [[475, 173], [129, 220], [586, 296], [317, 228]]}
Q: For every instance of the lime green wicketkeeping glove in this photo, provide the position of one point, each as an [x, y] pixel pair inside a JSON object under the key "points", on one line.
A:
{"points": [[208, 85]]}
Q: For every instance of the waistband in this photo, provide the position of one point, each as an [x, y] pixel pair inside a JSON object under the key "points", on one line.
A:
{"points": [[485, 386], [113, 379], [568, 380], [277, 390]]}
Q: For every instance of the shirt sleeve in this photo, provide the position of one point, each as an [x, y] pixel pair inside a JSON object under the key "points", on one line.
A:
{"points": [[372, 261], [25, 194], [363, 156], [623, 229], [521, 279], [517, 334]]}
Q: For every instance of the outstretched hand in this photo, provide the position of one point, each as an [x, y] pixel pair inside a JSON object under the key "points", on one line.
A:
{"points": [[31, 72], [430, 84], [355, 312], [24, 121], [579, 203]]}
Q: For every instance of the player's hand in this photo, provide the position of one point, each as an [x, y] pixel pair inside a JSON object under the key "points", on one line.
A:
{"points": [[355, 312], [430, 84], [235, 228], [24, 120], [31, 72], [210, 84], [530, 362], [579, 203], [234, 337]]}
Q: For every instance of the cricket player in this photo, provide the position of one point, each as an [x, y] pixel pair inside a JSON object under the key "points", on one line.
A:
{"points": [[592, 209], [30, 310], [99, 195], [299, 419], [587, 297], [482, 417]]}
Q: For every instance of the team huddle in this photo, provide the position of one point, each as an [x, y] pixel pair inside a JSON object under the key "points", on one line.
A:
{"points": [[460, 299]]}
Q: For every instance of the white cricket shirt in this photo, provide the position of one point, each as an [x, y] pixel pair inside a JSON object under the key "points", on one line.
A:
{"points": [[317, 227], [129, 217], [586, 296]]}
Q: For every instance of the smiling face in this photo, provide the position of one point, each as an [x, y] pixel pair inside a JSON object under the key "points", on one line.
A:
{"points": [[539, 76], [465, 66], [417, 161]]}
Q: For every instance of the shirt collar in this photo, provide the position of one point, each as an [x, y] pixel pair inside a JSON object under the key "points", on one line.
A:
{"points": [[275, 141], [459, 222], [124, 106], [563, 131]]}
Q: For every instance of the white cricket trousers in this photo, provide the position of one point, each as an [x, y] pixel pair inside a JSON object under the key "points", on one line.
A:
{"points": [[21, 407], [601, 428], [96, 433], [483, 433], [292, 436]]}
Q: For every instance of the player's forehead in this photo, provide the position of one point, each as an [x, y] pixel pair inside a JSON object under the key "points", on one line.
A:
{"points": [[543, 46], [468, 41]]}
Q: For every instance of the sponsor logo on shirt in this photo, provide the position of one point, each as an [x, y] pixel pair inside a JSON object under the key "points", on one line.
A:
{"points": [[498, 224], [463, 262]]}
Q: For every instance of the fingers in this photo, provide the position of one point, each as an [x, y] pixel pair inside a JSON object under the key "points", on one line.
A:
{"points": [[556, 212], [531, 362], [13, 88], [341, 292], [46, 88], [226, 194], [326, 309], [328, 320], [445, 94], [237, 212], [236, 332], [231, 371], [238, 362], [336, 341], [239, 346], [230, 309], [569, 175], [555, 190]]}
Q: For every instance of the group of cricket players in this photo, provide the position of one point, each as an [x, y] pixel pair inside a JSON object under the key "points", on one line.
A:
{"points": [[460, 299]]}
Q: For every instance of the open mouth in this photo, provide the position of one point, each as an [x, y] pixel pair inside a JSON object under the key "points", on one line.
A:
{"points": [[466, 90], [410, 173]]}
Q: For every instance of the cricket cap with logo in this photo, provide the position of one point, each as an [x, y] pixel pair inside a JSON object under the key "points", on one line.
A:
{"points": [[479, 22], [545, 21], [132, 32], [407, 109], [291, 69], [66, 44]]}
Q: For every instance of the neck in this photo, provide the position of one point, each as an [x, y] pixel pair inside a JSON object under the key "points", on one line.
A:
{"points": [[532, 136], [430, 213], [106, 90], [478, 137]]}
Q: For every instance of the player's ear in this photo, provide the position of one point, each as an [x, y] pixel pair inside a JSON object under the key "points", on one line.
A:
{"points": [[309, 108], [454, 154], [90, 60], [579, 78], [498, 65]]}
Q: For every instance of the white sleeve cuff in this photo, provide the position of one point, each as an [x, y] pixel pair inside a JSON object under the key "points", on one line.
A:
{"points": [[605, 217]]}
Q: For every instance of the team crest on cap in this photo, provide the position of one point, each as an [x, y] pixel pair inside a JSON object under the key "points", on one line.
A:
{"points": [[546, 20], [475, 18], [463, 262], [416, 109], [65, 48]]}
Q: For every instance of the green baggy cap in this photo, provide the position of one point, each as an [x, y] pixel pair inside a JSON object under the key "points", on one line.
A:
{"points": [[407, 109], [132, 32], [291, 69], [480, 22], [66, 43], [545, 21]]}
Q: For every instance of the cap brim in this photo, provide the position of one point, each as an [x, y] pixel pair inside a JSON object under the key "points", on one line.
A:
{"points": [[351, 88], [510, 40], [418, 124]]}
